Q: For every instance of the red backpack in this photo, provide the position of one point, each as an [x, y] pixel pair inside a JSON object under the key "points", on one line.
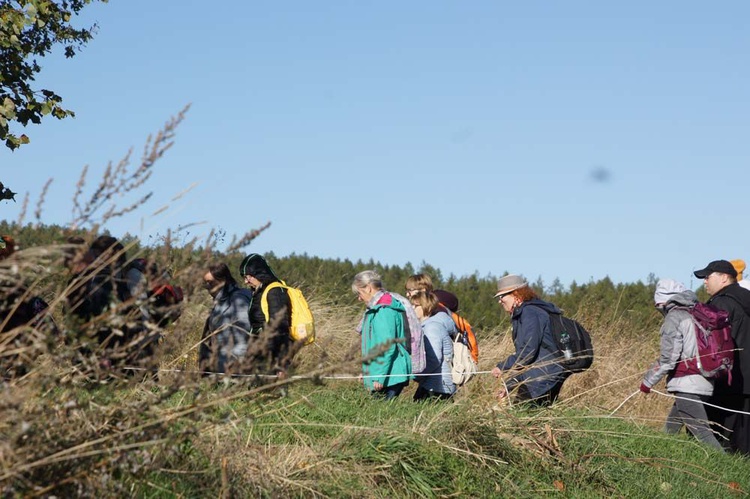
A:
{"points": [[713, 335]]}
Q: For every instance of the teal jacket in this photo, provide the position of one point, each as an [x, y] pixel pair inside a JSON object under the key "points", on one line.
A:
{"points": [[383, 324]]}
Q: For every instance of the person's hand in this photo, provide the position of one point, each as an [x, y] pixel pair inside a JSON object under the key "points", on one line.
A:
{"points": [[496, 372], [502, 393], [645, 389], [377, 386]]}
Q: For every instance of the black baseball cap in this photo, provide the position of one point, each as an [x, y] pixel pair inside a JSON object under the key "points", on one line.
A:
{"points": [[721, 266]]}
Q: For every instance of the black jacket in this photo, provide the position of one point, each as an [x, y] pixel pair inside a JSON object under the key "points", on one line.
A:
{"points": [[271, 340], [736, 300]]}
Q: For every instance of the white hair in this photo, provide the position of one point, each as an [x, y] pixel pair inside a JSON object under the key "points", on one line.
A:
{"points": [[367, 277]]}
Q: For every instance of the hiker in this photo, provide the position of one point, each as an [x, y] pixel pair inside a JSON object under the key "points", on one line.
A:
{"points": [[387, 365], [133, 289], [435, 382], [678, 343], [417, 351], [739, 266], [16, 306], [533, 370], [7, 246], [467, 336], [271, 347], [164, 298], [227, 329], [448, 303], [26, 324], [720, 280], [99, 300]]}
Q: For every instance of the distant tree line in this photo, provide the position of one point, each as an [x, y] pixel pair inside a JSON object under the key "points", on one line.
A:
{"points": [[329, 280]]}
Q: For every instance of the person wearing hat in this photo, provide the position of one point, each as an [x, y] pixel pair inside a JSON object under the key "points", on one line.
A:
{"points": [[720, 280], [271, 346], [536, 375], [678, 343]]}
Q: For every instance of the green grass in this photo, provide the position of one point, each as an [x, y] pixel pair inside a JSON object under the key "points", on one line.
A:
{"points": [[337, 441]]}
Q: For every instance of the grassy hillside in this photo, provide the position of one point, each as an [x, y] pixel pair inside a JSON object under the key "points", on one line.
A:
{"points": [[65, 432]]}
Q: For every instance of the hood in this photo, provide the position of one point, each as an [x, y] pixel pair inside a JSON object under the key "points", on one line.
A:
{"points": [[686, 298], [256, 266], [545, 305], [739, 294], [384, 299]]}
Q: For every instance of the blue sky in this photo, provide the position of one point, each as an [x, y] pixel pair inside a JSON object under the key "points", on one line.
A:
{"points": [[464, 134]]}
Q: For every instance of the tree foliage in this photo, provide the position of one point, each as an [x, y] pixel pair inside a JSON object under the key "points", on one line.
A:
{"points": [[30, 29], [329, 281]]}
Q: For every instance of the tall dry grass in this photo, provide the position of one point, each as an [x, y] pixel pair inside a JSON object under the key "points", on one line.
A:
{"points": [[68, 428], [68, 431], [623, 353]]}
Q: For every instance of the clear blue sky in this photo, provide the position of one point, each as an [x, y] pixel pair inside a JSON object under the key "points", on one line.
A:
{"points": [[464, 134]]}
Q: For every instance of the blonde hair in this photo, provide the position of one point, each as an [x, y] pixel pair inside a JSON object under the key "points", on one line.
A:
{"points": [[427, 300], [419, 282]]}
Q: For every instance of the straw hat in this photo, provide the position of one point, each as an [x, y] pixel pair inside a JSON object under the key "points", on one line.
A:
{"points": [[509, 283]]}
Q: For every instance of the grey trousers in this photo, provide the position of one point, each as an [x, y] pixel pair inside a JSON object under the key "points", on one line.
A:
{"points": [[692, 414]]}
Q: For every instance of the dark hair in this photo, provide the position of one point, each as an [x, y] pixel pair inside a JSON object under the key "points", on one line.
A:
{"points": [[103, 243], [221, 272]]}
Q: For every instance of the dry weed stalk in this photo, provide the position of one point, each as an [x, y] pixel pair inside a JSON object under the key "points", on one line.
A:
{"points": [[119, 180], [24, 208], [40, 203]]}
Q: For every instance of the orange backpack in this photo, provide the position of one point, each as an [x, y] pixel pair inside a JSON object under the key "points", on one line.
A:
{"points": [[467, 335]]}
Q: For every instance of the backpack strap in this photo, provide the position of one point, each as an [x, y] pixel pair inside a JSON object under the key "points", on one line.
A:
{"points": [[264, 297], [552, 316]]}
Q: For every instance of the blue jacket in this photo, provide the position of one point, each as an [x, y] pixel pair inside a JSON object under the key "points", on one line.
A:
{"points": [[388, 361], [536, 352], [439, 351]]}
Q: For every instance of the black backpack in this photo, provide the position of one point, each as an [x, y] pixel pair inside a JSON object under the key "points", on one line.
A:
{"points": [[570, 335]]}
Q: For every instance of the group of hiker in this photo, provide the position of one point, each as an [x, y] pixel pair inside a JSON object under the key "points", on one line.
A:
{"points": [[256, 329], [247, 330], [705, 356]]}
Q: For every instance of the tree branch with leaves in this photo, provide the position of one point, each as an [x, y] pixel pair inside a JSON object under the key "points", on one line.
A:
{"points": [[31, 29]]}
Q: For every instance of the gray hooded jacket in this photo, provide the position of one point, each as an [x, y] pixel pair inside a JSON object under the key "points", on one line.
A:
{"points": [[677, 344]]}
